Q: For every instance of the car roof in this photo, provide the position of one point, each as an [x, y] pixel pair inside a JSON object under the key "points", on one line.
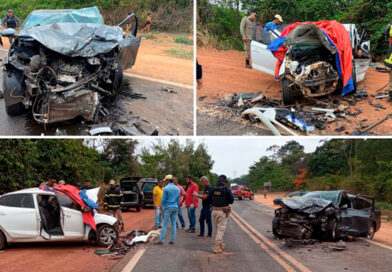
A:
{"points": [[151, 180], [35, 190], [39, 11]]}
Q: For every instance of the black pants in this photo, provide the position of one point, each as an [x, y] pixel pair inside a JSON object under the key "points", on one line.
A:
{"points": [[205, 215]]}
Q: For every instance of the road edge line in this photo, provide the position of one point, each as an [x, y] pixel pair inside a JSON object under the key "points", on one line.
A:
{"points": [[134, 260], [177, 84], [287, 256], [378, 244], [260, 243]]}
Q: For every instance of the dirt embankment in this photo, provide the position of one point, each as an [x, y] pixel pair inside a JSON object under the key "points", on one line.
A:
{"points": [[68, 257], [153, 59], [225, 72], [383, 235]]}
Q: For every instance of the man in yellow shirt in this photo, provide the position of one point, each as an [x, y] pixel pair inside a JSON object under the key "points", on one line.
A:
{"points": [[157, 193]]}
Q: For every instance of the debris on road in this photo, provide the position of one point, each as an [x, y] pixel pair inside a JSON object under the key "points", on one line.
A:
{"points": [[126, 243], [375, 124], [101, 131], [168, 90], [339, 246]]}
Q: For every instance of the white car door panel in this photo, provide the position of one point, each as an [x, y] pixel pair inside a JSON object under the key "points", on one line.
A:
{"points": [[262, 58], [19, 222]]}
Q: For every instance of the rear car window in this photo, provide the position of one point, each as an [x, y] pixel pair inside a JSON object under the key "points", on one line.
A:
{"points": [[18, 201], [67, 202], [148, 187], [234, 188], [361, 204]]}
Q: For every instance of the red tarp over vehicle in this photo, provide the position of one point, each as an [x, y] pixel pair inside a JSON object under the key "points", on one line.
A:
{"points": [[337, 35], [73, 192]]}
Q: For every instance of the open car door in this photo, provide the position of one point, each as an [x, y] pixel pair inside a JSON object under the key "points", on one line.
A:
{"points": [[262, 58], [71, 217], [129, 46]]}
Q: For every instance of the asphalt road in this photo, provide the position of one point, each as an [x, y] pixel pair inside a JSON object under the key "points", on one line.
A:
{"points": [[169, 113], [251, 246]]}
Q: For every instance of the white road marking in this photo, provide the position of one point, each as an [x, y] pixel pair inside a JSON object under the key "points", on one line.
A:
{"points": [[134, 260], [378, 244], [177, 84]]}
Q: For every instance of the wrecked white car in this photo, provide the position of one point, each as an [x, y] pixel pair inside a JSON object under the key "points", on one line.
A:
{"points": [[63, 62], [310, 63], [35, 215]]}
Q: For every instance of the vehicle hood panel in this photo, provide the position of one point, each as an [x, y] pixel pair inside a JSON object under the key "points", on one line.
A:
{"points": [[312, 205], [79, 39]]}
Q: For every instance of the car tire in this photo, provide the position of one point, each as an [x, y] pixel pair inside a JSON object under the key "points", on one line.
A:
{"points": [[287, 92], [118, 78], [138, 208], [354, 76], [251, 197], [239, 197], [371, 231], [106, 235], [331, 233], [3, 241]]}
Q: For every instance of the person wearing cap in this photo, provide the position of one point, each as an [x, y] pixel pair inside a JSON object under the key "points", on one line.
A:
{"points": [[157, 193], [221, 198], [113, 201], [11, 21], [191, 202], [169, 206], [274, 24], [246, 29]]}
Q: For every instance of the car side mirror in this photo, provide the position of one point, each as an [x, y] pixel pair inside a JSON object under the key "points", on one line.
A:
{"points": [[344, 207], [9, 32]]}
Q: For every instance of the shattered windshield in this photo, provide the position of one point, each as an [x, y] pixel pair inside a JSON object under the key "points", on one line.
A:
{"points": [[48, 17], [332, 196]]}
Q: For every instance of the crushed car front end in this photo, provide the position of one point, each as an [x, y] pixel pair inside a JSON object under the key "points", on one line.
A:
{"points": [[62, 70]]}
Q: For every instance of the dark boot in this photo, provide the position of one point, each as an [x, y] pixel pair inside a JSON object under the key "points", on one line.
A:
{"points": [[247, 65]]}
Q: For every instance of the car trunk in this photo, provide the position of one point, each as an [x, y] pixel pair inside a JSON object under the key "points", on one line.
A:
{"points": [[130, 190]]}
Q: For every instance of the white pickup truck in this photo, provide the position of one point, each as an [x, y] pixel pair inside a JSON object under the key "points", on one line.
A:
{"points": [[309, 66]]}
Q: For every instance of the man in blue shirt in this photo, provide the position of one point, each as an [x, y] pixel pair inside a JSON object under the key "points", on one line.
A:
{"points": [[273, 25], [169, 205]]}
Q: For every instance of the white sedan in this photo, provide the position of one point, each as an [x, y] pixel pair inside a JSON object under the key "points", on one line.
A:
{"points": [[34, 215]]}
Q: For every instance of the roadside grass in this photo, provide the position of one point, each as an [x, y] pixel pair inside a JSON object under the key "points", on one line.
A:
{"points": [[150, 36], [180, 53], [183, 40], [386, 209]]}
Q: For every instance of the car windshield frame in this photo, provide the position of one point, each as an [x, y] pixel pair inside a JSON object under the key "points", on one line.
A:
{"points": [[47, 17]]}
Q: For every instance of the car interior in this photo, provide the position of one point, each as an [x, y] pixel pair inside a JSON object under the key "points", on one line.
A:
{"points": [[49, 210]]}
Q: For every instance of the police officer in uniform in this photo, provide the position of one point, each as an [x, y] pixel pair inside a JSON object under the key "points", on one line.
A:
{"points": [[11, 21], [388, 59], [221, 198]]}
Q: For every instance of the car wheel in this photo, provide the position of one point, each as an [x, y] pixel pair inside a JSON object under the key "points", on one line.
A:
{"points": [[251, 197], [354, 76], [118, 78], [106, 235], [3, 241], [239, 197], [331, 233], [371, 232], [287, 92], [138, 208]]}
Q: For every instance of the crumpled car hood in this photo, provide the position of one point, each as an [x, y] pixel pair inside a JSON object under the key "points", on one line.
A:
{"points": [[79, 39], [311, 205]]}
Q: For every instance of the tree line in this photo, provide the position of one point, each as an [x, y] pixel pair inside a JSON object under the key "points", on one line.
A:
{"points": [[220, 19], [27, 163], [357, 165], [167, 15]]}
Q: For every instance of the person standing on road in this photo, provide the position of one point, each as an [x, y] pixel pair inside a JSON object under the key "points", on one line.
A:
{"points": [[182, 197], [246, 29], [205, 213], [169, 206], [388, 59], [113, 201], [221, 198], [275, 24], [157, 196], [11, 21], [191, 202]]}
